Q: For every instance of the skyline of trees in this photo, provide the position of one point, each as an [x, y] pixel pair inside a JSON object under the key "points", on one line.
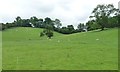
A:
{"points": [[103, 16]]}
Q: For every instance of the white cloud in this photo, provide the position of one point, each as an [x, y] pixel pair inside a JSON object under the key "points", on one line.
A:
{"points": [[68, 11]]}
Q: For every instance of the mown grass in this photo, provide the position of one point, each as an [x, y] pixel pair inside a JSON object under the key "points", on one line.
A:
{"points": [[23, 49]]}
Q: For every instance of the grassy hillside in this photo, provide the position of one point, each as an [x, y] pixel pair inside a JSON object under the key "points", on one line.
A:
{"points": [[0, 50], [23, 49]]}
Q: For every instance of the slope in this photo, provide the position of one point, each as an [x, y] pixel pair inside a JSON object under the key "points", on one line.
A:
{"points": [[23, 49]]}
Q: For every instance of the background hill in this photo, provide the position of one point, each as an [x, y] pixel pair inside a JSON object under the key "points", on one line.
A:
{"points": [[23, 49]]}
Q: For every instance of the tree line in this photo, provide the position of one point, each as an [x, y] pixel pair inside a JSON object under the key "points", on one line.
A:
{"points": [[47, 23], [103, 16]]}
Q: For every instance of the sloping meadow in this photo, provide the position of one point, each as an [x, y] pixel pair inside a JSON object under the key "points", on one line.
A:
{"points": [[24, 49]]}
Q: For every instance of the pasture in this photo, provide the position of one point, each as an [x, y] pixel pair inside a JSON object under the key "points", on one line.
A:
{"points": [[23, 49], [0, 50]]}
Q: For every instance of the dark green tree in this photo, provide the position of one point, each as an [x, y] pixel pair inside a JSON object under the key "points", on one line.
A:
{"points": [[25, 23], [112, 22], [80, 27], [57, 23], [48, 22], [42, 34], [18, 21], [1, 27], [118, 18], [64, 30], [40, 23], [34, 21], [71, 28], [49, 27], [102, 12], [92, 25], [49, 33]]}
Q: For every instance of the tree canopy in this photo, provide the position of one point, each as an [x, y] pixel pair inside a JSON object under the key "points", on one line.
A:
{"points": [[102, 13]]}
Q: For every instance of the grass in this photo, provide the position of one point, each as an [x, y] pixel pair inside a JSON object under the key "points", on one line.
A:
{"points": [[0, 50], [23, 49]]}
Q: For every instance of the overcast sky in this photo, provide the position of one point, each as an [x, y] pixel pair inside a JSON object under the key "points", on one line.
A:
{"points": [[68, 11]]}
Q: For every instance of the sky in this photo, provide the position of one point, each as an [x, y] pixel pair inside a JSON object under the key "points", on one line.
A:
{"points": [[69, 12]]}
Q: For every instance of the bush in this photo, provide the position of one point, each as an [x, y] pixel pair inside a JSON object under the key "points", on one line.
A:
{"points": [[49, 34], [41, 34]]}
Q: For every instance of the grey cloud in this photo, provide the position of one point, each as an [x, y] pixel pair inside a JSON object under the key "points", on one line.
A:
{"points": [[46, 9], [68, 11], [65, 4]]}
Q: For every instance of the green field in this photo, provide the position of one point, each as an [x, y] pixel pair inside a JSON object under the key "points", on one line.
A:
{"points": [[0, 50], [23, 49]]}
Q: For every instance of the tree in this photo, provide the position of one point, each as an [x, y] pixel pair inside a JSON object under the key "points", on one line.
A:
{"points": [[34, 21], [57, 23], [8, 25], [18, 21], [1, 27], [112, 22], [118, 17], [64, 30], [47, 32], [48, 23], [42, 34], [80, 27], [102, 12], [18, 18], [71, 28], [25, 23], [40, 23], [92, 25], [21, 22]]}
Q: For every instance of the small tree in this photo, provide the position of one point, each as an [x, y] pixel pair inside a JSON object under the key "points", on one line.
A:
{"points": [[49, 34], [48, 31], [42, 34]]}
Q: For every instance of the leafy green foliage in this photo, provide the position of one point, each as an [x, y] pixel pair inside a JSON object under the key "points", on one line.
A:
{"points": [[57, 23], [49, 33], [64, 30], [80, 27], [42, 34], [92, 25], [71, 28], [1, 27], [102, 13]]}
